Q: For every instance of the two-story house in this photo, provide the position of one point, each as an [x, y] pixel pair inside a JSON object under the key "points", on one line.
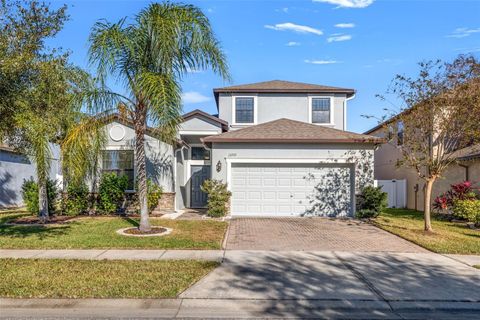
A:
{"points": [[281, 147]]}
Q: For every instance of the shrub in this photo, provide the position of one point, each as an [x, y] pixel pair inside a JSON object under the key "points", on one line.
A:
{"points": [[459, 191], [374, 201], [218, 197], [467, 209], [154, 193], [111, 192], [30, 195], [76, 199], [367, 213]]}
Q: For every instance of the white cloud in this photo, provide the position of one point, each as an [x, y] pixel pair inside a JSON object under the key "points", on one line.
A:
{"points": [[468, 50], [348, 3], [292, 44], [194, 70], [321, 61], [194, 97], [284, 10], [463, 32], [339, 37], [345, 25], [288, 26]]}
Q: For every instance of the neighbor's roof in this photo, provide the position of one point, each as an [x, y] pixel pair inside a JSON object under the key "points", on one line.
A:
{"points": [[468, 153], [291, 131], [281, 86]]}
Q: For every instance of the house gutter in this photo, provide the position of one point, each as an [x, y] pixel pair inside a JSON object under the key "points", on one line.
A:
{"points": [[345, 111]]}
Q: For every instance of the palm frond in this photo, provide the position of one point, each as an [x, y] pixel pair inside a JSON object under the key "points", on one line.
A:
{"points": [[82, 146]]}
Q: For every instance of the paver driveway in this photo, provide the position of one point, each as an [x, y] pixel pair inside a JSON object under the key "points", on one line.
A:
{"points": [[313, 234]]}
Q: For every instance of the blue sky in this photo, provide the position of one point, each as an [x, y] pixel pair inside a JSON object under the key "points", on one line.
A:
{"points": [[358, 44]]}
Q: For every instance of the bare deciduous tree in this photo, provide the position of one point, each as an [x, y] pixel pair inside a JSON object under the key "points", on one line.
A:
{"points": [[439, 115]]}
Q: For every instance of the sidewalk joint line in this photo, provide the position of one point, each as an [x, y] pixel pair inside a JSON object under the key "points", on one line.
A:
{"points": [[370, 285], [162, 254], [98, 255], [178, 310]]}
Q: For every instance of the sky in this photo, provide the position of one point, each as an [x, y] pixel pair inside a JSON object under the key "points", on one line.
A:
{"points": [[359, 44]]}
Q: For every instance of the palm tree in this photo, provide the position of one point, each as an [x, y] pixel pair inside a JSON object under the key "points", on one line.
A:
{"points": [[149, 57]]}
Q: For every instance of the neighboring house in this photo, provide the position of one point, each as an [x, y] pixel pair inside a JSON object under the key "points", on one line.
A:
{"points": [[15, 168], [387, 155], [280, 146]]}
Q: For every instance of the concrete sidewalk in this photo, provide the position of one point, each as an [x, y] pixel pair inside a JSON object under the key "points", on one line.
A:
{"points": [[210, 255], [273, 284], [470, 259]]}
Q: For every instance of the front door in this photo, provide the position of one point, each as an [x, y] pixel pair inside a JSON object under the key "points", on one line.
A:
{"points": [[198, 198]]}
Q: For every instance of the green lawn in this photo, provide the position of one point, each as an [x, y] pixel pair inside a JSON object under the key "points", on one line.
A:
{"points": [[447, 237], [27, 278], [100, 233]]}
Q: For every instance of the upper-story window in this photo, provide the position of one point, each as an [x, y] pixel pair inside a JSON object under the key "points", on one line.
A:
{"points": [[321, 110], [400, 131], [244, 110]]}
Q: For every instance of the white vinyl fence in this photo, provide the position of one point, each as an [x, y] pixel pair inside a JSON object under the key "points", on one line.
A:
{"points": [[396, 190]]}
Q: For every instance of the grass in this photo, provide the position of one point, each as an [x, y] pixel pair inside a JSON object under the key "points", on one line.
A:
{"points": [[477, 266], [447, 237], [100, 233], [27, 278]]}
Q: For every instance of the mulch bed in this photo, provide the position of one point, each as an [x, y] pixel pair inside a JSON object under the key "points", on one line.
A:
{"points": [[36, 220], [154, 230]]}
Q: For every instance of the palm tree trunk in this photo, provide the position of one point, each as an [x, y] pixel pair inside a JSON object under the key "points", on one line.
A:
{"points": [[427, 204], [140, 128], [42, 199]]}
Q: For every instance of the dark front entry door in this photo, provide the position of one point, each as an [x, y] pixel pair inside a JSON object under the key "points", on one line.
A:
{"points": [[198, 198]]}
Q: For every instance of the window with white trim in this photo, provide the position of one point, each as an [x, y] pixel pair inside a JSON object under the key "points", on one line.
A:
{"points": [[200, 153], [120, 162], [244, 109], [321, 110]]}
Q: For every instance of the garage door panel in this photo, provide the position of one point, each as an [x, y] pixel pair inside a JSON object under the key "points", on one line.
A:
{"points": [[291, 189], [239, 182], [269, 195]]}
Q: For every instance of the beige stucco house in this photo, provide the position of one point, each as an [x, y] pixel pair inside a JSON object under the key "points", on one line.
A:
{"points": [[466, 168]]}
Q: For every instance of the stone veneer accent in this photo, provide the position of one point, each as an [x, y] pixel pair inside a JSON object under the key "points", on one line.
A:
{"points": [[166, 202]]}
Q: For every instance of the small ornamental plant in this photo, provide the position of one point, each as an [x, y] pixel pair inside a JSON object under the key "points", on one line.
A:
{"points": [[459, 191], [154, 194], [76, 199], [111, 192], [373, 202], [218, 197], [468, 209], [30, 195]]}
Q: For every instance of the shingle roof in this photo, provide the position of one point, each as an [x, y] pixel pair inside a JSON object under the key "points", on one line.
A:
{"points": [[468, 153], [284, 87], [198, 112], [291, 131]]}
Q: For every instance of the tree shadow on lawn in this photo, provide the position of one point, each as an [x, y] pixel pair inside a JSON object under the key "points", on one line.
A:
{"points": [[294, 284], [133, 222], [41, 232]]}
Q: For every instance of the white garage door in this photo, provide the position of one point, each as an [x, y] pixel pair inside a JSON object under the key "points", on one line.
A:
{"points": [[291, 189]]}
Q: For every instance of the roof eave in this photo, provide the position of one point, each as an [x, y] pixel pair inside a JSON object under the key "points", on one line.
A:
{"points": [[213, 139]]}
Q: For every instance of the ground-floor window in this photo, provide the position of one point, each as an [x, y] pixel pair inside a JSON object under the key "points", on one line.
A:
{"points": [[120, 162]]}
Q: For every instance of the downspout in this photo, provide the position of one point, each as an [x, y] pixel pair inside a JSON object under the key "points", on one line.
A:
{"points": [[345, 111], [467, 171]]}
